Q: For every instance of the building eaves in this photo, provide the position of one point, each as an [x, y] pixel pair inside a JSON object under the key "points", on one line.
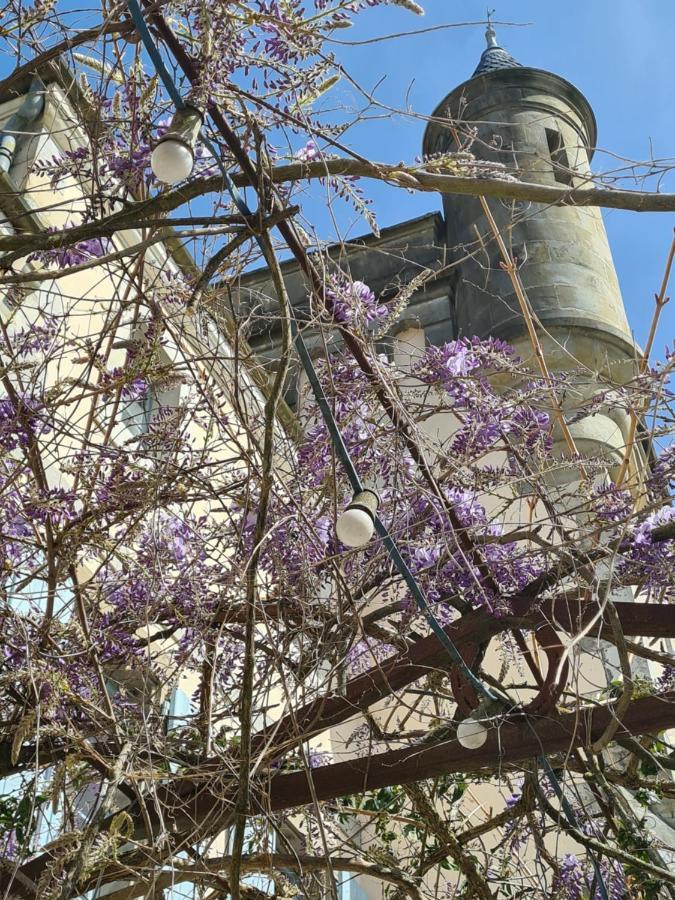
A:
{"points": [[389, 235], [25, 217]]}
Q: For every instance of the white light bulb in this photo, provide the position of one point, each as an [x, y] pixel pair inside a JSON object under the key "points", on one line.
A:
{"points": [[171, 161], [355, 527], [471, 734]]}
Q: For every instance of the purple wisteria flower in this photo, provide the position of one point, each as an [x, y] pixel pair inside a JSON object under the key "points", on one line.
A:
{"points": [[308, 153], [612, 504], [614, 877], [646, 560], [135, 389], [444, 364], [72, 254], [9, 845], [353, 302], [38, 338], [319, 758], [132, 387], [662, 476], [56, 506], [642, 535], [364, 653], [666, 680], [21, 423], [571, 882]]}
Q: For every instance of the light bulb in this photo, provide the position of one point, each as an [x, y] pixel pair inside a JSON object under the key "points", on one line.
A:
{"points": [[355, 527], [356, 524], [471, 734], [171, 161]]}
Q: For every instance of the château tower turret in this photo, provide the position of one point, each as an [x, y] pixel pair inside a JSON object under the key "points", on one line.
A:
{"points": [[543, 130]]}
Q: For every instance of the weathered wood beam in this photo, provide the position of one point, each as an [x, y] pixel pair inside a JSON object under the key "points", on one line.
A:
{"points": [[204, 871], [206, 808], [402, 669], [406, 176], [410, 177], [656, 620], [509, 744]]}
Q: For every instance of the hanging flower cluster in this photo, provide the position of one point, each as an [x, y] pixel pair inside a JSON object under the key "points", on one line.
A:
{"points": [[182, 626]]}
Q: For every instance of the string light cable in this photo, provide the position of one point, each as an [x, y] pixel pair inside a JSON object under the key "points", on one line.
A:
{"points": [[317, 389], [490, 701]]}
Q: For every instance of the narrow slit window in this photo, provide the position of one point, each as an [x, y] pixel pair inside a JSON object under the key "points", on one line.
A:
{"points": [[559, 158]]}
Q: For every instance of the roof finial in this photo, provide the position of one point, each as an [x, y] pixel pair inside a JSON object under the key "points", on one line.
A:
{"points": [[493, 57], [490, 34]]}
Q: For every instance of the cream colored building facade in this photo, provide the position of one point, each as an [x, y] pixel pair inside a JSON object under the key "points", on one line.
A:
{"points": [[88, 298], [99, 327]]}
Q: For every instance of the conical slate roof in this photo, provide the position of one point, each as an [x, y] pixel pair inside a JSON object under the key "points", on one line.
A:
{"points": [[494, 57]]}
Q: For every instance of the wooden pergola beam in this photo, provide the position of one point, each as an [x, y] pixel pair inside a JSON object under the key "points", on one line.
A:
{"points": [[206, 808], [508, 744], [424, 656]]}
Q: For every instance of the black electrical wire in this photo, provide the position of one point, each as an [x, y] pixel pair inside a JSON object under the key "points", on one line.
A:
{"points": [[340, 447], [317, 389]]}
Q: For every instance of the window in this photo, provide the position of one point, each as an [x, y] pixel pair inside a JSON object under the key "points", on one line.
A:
{"points": [[138, 415], [561, 164], [178, 713], [349, 887]]}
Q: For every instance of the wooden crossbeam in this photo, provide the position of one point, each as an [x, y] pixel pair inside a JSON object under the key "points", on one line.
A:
{"points": [[511, 743], [207, 806], [424, 656]]}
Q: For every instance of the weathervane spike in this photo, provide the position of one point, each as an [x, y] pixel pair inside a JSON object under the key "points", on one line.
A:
{"points": [[490, 34]]}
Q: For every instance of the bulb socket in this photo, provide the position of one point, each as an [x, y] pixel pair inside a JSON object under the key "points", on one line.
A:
{"points": [[184, 127], [489, 710], [366, 500]]}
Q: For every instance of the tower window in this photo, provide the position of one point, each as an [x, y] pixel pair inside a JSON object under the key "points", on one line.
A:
{"points": [[559, 158]]}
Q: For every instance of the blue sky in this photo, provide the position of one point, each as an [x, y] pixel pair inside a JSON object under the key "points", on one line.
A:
{"points": [[618, 52]]}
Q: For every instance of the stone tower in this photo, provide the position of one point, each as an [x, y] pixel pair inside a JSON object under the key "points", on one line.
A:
{"points": [[543, 130]]}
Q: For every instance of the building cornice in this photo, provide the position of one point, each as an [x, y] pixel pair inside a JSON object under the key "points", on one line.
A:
{"points": [[479, 92]]}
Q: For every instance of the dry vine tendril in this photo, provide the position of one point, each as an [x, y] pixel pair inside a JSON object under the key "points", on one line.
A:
{"points": [[202, 688]]}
